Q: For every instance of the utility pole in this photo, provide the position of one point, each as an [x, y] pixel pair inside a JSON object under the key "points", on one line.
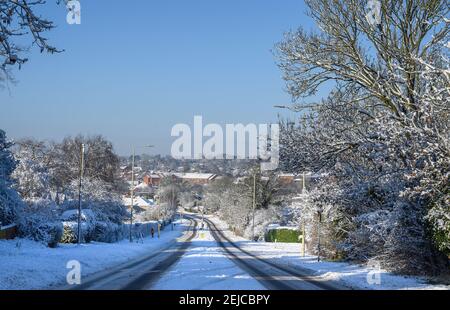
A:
{"points": [[132, 190], [303, 238], [159, 220], [303, 221], [304, 184], [159, 228], [254, 206], [319, 213], [132, 196], [174, 203], [79, 193], [203, 216]]}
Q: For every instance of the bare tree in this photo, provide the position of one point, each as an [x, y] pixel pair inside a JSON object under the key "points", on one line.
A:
{"points": [[381, 60], [18, 19]]}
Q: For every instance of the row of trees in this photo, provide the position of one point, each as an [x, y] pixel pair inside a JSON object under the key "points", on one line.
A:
{"points": [[48, 170], [169, 195], [382, 134], [234, 201], [40, 181]]}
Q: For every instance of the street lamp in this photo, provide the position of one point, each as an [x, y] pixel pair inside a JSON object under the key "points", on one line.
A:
{"points": [[319, 216], [203, 215], [254, 200], [132, 188], [254, 206], [303, 230]]}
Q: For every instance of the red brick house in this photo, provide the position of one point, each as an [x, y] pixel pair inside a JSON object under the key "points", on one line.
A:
{"points": [[152, 179], [196, 178]]}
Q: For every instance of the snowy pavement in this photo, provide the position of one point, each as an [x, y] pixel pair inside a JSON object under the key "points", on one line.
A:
{"points": [[351, 275], [205, 266], [25, 264]]}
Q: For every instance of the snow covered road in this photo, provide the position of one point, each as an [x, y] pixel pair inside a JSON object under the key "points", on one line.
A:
{"points": [[142, 272], [214, 262], [195, 262], [206, 266], [187, 259]]}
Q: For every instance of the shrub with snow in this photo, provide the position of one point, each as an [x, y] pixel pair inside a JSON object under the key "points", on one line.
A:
{"points": [[70, 232], [39, 221], [10, 202], [283, 234], [263, 218]]}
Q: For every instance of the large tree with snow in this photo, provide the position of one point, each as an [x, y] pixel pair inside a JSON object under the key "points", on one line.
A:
{"points": [[31, 174], [382, 134], [101, 162], [9, 200]]}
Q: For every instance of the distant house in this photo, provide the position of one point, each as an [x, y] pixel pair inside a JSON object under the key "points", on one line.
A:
{"points": [[286, 178], [139, 203], [145, 190], [196, 178], [152, 179], [8, 231]]}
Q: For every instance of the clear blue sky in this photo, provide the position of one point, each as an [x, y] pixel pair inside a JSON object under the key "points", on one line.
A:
{"points": [[133, 69]]}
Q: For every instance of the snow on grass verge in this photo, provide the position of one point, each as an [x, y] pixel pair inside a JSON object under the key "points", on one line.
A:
{"points": [[25, 264], [351, 275]]}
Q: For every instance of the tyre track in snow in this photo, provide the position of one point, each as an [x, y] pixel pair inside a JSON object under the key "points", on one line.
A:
{"points": [[148, 278], [272, 276], [140, 273]]}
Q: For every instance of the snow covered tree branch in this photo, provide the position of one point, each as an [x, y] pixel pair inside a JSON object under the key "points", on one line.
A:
{"points": [[18, 18]]}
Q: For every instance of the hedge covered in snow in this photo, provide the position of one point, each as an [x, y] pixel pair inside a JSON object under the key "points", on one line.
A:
{"points": [[283, 234]]}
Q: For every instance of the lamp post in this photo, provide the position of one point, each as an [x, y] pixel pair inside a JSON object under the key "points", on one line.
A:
{"points": [[303, 221], [132, 190], [254, 199], [303, 183], [174, 204], [319, 215], [254, 206]]}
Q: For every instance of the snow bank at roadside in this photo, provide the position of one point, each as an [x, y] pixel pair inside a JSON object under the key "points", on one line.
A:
{"points": [[351, 275], [25, 264]]}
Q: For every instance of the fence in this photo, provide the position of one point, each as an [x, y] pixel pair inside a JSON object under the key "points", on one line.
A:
{"points": [[140, 229], [8, 232]]}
